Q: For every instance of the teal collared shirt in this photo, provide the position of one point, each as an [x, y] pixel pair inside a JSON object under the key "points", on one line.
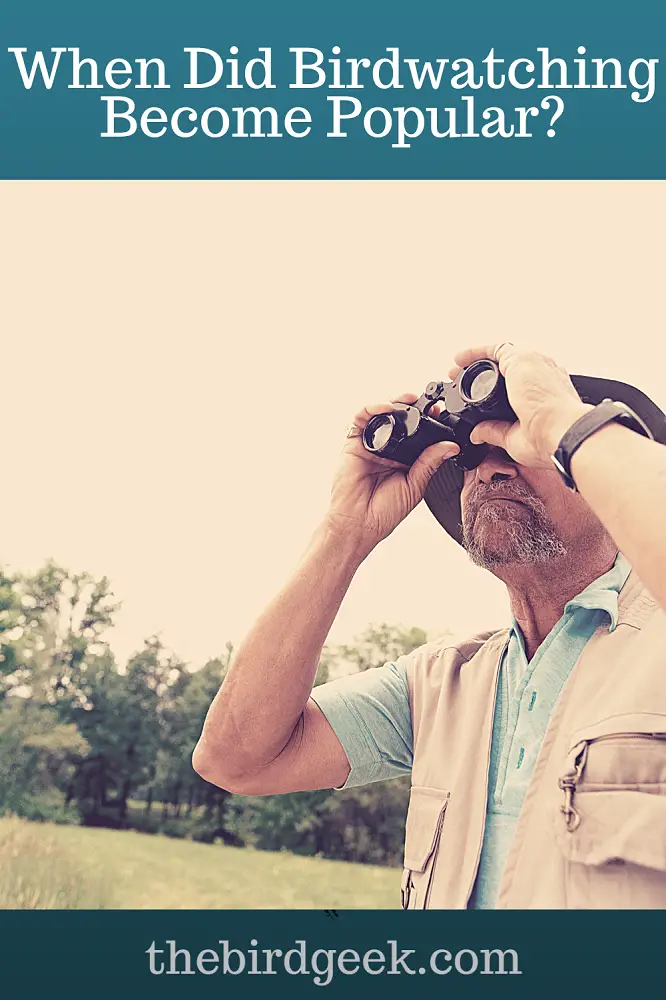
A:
{"points": [[526, 696], [371, 717]]}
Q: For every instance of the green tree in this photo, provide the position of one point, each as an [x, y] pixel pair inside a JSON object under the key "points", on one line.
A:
{"points": [[38, 753], [122, 717], [178, 786], [58, 620], [12, 621]]}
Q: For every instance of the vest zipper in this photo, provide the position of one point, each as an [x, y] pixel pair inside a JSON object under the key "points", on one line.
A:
{"points": [[434, 855], [578, 757]]}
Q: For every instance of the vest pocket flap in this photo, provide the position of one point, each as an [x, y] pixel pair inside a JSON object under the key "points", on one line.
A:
{"points": [[617, 826], [424, 824], [638, 723]]}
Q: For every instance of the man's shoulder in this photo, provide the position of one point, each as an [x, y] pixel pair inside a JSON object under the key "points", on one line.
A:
{"points": [[453, 651]]}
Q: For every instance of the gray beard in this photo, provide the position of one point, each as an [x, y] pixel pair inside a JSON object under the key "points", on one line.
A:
{"points": [[527, 537]]}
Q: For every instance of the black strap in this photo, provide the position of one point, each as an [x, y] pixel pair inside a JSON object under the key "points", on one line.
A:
{"points": [[605, 413]]}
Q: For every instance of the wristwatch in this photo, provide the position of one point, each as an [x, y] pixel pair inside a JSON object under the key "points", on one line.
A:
{"points": [[607, 412]]}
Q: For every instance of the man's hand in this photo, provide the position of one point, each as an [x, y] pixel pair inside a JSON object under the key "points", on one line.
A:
{"points": [[263, 734], [542, 396], [371, 495]]}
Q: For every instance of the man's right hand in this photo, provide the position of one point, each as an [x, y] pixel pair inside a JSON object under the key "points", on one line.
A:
{"points": [[372, 495]]}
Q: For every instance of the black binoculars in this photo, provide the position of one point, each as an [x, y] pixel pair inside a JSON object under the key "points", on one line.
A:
{"points": [[478, 393]]}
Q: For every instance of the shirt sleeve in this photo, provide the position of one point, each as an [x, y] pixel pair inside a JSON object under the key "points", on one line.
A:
{"points": [[370, 715]]}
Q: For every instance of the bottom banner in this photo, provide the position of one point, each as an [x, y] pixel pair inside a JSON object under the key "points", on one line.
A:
{"points": [[160, 953]]}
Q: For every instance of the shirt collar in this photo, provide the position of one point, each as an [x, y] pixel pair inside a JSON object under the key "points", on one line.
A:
{"points": [[602, 594]]}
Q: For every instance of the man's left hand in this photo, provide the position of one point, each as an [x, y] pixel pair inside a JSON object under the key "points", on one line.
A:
{"points": [[542, 396]]}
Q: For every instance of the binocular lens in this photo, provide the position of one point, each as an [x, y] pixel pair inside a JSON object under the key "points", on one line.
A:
{"points": [[479, 382], [379, 431]]}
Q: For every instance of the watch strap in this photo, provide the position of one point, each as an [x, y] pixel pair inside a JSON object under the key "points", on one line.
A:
{"points": [[607, 412]]}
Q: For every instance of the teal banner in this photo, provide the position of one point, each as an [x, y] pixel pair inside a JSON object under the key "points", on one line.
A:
{"points": [[210, 89], [355, 954]]}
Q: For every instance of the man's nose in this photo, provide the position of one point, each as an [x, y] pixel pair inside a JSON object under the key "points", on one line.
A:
{"points": [[496, 465]]}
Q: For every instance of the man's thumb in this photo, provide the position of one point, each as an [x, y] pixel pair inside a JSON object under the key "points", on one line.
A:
{"points": [[427, 464], [490, 432]]}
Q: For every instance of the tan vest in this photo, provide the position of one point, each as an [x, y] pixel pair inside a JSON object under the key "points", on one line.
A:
{"points": [[592, 830]]}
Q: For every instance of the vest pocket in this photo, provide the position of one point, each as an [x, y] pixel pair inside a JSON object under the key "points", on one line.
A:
{"points": [[423, 831], [611, 827]]}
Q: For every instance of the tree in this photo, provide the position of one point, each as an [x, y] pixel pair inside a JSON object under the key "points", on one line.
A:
{"points": [[37, 752], [122, 716], [177, 784], [58, 620], [12, 620]]}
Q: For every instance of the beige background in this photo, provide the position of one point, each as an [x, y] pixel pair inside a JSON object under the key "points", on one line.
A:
{"points": [[180, 363]]}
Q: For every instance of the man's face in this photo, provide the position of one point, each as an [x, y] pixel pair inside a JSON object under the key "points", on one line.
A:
{"points": [[515, 515]]}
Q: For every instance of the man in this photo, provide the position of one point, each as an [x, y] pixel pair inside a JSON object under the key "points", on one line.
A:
{"points": [[537, 753]]}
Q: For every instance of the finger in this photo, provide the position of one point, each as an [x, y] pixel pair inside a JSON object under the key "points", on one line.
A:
{"points": [[492, 432], [499, 352], [383, 464], [373, 409], [355, 447], [407, 397], [427, 464], [477, 353]]}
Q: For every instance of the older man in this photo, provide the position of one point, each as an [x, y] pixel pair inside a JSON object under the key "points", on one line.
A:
{"points": [[538, 752]]}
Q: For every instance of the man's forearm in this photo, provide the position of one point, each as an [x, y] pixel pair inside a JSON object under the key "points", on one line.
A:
{"points": [[622, 476], [261, 701]]}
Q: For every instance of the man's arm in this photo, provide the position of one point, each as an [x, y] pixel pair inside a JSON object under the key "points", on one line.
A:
{"points": [[620, 474], [263, 734]]}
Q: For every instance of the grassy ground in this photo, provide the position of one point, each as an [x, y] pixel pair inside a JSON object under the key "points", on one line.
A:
{"points": [[57, 867]]}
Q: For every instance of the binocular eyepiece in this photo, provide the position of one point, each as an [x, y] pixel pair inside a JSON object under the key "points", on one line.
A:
{"points": [[478, 393]]}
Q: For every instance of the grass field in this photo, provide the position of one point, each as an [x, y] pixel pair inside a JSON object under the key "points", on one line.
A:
{"points": [[63, 867]]}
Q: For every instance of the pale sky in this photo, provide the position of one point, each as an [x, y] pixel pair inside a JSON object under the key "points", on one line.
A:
{"points": [[181, 362]]}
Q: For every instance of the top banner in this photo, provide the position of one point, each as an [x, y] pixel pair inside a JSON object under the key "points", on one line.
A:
{"points": [[371, 89]]}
